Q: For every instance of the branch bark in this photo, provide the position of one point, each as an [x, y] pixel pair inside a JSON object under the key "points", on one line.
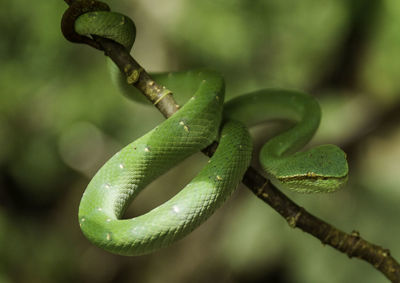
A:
{"points": [[351, 244]]}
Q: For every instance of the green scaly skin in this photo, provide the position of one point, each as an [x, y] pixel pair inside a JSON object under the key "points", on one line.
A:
{"points": [[320, 169], [192, 128]]}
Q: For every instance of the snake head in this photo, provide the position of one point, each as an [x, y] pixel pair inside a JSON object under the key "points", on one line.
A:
{"points": [[320, 169]]}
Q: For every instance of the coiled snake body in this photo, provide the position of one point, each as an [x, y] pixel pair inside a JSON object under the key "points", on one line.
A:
{"points": [[203, 119]]}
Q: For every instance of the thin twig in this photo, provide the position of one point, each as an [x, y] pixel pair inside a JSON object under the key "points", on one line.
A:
{"points": [[351, 244]]}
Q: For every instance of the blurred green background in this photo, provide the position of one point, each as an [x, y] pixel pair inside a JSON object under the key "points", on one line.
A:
{"points": [[61, 118]]}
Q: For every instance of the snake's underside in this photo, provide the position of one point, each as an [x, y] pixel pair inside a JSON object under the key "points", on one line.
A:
{"points": [[203, 119]]}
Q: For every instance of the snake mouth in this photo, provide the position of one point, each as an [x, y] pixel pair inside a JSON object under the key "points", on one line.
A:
{"points": [[311, 183], [311, 176]]}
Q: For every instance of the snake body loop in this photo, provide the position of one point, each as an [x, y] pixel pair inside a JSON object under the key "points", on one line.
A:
{"points": [[203, 119], [75, 10]]}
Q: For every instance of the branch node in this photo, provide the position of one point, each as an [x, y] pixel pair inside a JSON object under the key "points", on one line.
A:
{"points": [[132, 75], [354, 242], [292, 220], [260, 192]]}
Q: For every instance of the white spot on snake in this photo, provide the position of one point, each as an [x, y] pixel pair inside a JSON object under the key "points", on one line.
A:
{"points": [[108, 236], [121, 166], [176, 208], [147, 149], [99, 209], [122, 21], [108, 220], [83, 219], [137, 230], [192, 98], [185, 127], [107, 186], [219, 178]]}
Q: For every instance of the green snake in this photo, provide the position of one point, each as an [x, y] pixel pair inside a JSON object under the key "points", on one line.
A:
{"points": [[203, 119]]}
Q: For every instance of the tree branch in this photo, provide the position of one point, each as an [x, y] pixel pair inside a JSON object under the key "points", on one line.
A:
{"points": [[351, 244]]}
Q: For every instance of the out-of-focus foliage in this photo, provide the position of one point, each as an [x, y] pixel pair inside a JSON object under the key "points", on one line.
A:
{"points": [[61, 118]]}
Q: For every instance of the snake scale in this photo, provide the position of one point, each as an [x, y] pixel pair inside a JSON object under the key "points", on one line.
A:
{"points": [[202, 120]]}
